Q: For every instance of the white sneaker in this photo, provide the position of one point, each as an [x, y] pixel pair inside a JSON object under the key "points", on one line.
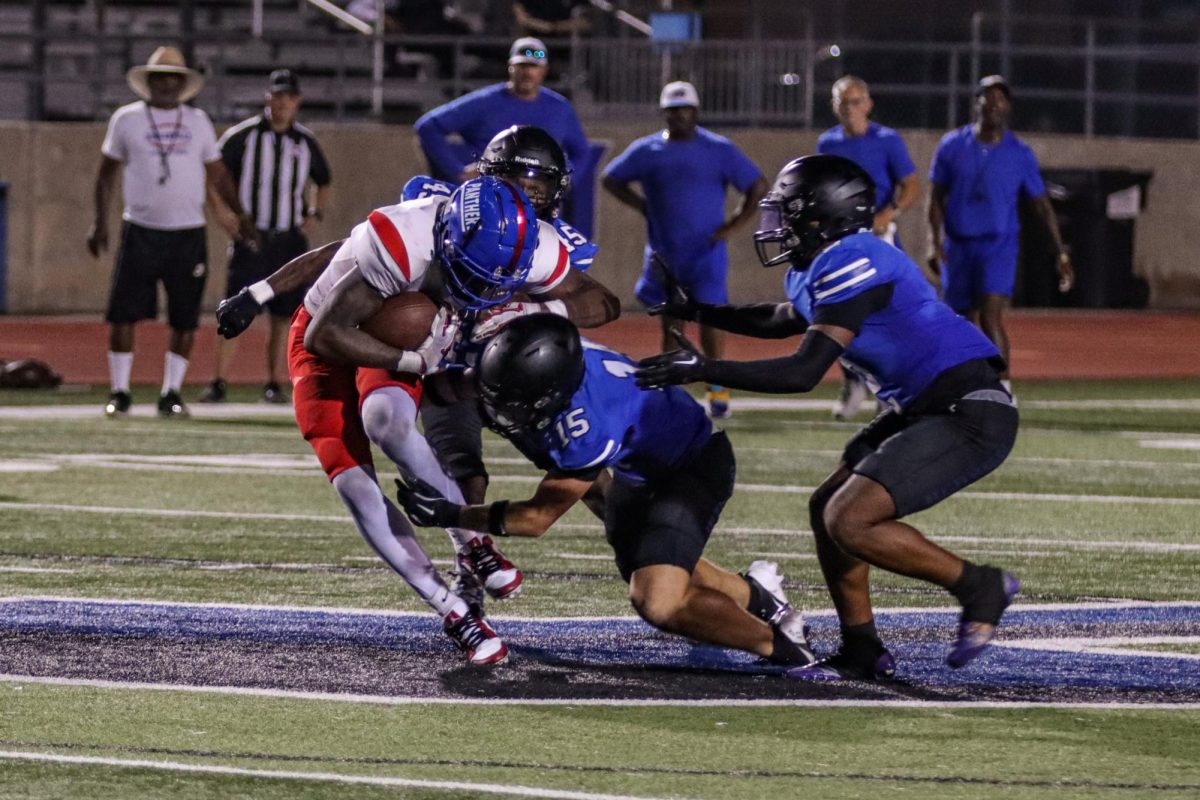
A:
{"points": [[483, 559], [787, 618], [475, 638]]}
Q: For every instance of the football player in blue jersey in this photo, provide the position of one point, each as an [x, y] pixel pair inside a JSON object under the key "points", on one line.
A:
{"points": [[530, 158], [950, 420], [572, 408]]}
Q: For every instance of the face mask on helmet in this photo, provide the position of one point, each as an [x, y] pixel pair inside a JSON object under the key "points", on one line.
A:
{"points": [[520, 414], [785, 234], [484, 238]]}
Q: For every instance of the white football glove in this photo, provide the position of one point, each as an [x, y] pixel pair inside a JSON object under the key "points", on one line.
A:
{"points": [[443, 335], [492, 320]]}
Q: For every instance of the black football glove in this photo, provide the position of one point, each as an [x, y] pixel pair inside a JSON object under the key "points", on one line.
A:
{"points": [[679, 304], [425, 505], [685, 365], [236, 313]]}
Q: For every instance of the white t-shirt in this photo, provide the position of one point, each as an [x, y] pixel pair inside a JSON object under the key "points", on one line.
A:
{"points": [[185, 136], [394, 248]]}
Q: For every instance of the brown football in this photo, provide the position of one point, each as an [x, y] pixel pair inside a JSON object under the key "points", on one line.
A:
{"points": [[402, 321]]}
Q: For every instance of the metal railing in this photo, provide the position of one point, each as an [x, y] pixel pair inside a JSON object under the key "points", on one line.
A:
{"points": [[1087, 80]]}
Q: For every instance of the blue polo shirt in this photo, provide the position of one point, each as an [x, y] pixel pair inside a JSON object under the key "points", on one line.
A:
{"points": [[983, 182], [684, 183], [904, 346], [880, 151], [480, 115]]}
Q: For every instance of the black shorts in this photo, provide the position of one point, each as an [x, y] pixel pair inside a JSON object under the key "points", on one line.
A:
{"points": [[669, 521], [921, 459], [455, 432], [146, 256], [248, 266]]}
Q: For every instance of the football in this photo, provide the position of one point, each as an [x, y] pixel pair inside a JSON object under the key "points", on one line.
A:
{"points": [[403, 321]]}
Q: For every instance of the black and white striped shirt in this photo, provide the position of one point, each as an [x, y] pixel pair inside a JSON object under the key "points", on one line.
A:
{"points": [[271, 170]]}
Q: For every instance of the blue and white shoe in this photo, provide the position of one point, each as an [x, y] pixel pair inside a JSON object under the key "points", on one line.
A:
{"points": [[974, 636]]}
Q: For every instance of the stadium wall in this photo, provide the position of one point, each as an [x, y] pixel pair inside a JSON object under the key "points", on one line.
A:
{"points": [[51, 169]]}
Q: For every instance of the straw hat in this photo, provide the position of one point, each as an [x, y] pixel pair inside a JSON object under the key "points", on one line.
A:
{"points": [[165, 61]]}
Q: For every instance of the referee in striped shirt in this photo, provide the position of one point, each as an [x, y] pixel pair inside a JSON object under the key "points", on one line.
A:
{"points": [[283, 182]]}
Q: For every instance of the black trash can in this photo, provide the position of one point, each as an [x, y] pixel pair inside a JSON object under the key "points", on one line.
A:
{"points": [[1097, 210]]}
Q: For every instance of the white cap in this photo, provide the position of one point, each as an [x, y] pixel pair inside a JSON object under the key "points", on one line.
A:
{"points": [[679, 93], [528, 50]]}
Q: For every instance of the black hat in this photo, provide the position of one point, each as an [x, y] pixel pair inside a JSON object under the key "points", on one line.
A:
{"points": [[996, 81], [283, 80]]}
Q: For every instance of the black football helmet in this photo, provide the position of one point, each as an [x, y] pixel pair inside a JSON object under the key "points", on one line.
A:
{"points": [[524, 151], [815, 200], [529, 371]]}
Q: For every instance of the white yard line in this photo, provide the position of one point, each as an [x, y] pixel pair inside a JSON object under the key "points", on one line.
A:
{"points": [[318, 777], [1112, 646], [404, 700]]}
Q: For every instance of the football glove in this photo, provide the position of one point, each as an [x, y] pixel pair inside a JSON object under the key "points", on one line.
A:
{"points": [[443, 335], [679, 304], [684, 365], [493, 319], [425, 505], [235, 314]]}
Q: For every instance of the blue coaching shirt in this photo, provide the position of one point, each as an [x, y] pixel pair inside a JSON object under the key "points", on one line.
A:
{"points": [[901, 348], [611, 422], [480, 115], [983, 181], [684, 183], [880, 151], [580, 250]]}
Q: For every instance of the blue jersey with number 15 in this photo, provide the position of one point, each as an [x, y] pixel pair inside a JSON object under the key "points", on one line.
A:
{"points": [[580, 251], [610, 422]]}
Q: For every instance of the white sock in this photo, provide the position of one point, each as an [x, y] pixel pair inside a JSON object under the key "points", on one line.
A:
{"points": [[390, 420], [119, 367], [390, 534], [174, 368]]}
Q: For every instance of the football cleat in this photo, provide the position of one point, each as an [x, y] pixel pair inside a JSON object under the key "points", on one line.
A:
{"points": [[499, 577], [974, 636], [272, 393], [844, 667], [850, 401], [172, 405], [475, 638], [215, 392], [765, 574], [118, 404]]}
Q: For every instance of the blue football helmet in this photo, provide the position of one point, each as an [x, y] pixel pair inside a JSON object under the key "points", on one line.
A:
{"points": [[484, 238]]}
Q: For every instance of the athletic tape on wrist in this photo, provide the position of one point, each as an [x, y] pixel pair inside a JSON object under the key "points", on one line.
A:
{"points": [[261, 292]]}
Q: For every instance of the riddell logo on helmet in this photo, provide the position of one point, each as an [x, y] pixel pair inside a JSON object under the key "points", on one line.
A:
{"points": [[470, 206]]}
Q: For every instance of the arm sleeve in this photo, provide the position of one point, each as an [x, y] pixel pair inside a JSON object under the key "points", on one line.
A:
{"points": [[760, 320], [114, 145], [799, 372], [740, 171], [318, 168], [433, 128]]}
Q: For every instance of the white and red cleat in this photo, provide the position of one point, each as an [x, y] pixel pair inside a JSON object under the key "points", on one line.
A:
{"points": [[475, 638], [499, 577]]}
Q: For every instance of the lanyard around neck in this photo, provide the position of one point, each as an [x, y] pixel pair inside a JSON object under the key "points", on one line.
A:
{"points": [[163, 148]]}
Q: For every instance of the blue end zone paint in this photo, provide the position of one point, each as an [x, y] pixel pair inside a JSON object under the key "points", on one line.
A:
{"points": [[919, 640]]}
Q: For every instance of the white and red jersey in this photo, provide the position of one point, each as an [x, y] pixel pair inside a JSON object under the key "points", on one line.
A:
{"points": [[393, 250]]}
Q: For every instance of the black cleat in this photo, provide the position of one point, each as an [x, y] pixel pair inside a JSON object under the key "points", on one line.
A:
{"points": [[118, 404], [843, 666], [272, 393], [172, 405], [215, 393]]}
